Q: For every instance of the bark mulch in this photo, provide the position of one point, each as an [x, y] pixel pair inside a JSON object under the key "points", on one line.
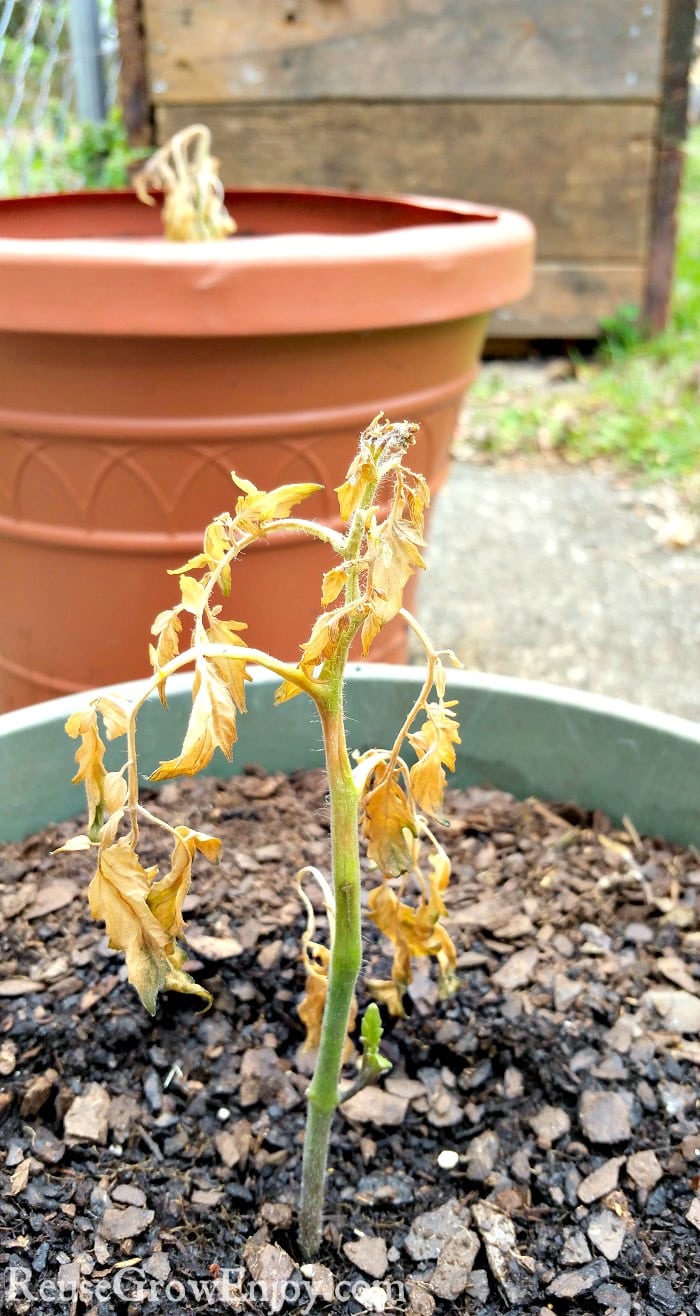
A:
{"points": [[535, 1148]]}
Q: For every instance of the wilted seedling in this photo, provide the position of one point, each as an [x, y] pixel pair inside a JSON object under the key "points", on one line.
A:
{"points": [[377, 793], [188, 174]]}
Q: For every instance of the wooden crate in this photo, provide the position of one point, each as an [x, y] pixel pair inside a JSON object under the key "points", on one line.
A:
{"points": [[572, 112]]}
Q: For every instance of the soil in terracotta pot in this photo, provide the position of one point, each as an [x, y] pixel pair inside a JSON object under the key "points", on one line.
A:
{"points": [[535, 1147]]}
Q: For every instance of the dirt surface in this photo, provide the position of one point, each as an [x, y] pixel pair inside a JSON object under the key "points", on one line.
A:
{"points": [[534, 1149], [566, 574]]}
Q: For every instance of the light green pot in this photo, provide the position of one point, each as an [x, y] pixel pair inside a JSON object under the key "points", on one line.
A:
{"points": [[520, 736]]}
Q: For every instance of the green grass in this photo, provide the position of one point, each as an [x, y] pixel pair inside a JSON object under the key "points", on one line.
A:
{"points": [[638, 403], [68, 155]]}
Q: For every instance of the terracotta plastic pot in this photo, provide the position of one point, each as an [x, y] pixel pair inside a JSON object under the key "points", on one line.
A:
{"points": [[520, 736], [135, 374]]}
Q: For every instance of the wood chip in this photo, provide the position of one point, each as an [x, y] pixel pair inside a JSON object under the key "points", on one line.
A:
{"points": [[679, 1010], [117, 1225], [454, 1266], [233, 1144], [369, 1254], [270, 1266], [600, 1181], [51, 897], [511, 1269], [214, 948], [38, 1092], [19, 1178], [19, 986], [87, 1118], [518, 970], [372, 1105]]}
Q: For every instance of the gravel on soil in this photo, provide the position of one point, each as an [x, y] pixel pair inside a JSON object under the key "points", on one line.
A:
{"points": [[535, 1147]]}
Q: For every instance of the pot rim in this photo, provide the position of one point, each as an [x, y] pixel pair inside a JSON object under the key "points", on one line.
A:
{"points": [[391, 674], [303, 282], [523, 736]]}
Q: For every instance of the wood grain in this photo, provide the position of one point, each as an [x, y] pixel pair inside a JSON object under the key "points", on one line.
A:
{"points": [[569, 301], [133, 79], [582, 173], [678, 53], [404, 49]]}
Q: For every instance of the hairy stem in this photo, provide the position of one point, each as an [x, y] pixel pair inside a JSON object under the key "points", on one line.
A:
{"points": [[346, 957]]}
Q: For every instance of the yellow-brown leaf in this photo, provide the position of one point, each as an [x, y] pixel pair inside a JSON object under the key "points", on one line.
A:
{"points": [[90, 760], [285, 691], [118, 896], [115, 792], [232, 671], [388, 824], [216, 545], [258, 507], [334, 581], [393, 554], [192, 592], [323, 639], [311, 1007], [371, 627], [115, 715], [80, 842], [212, 725], [167, 896], [167, 628], [434, 743], [388, 993], [361, 476]]}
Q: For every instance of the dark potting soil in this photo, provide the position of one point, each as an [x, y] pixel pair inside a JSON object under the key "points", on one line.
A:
{"points": [[535, 1148]]}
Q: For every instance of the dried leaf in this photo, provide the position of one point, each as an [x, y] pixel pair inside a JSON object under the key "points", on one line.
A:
{"points": [[388, 823], [393, 554], [212, 725], [413, 488], [115, 792], [90, 760], [167, 896], [313, 1002], [323, 639], [257, 507], [115, 715], [232, 671], [434, 743], [363, 474], [194, 209], [286, 690], [334, 581], [217, 544], [371, 627], [389, 994], [75, 843], [118, 896], [312, 1005], [193, 596], [196, 563], [414, 931], [167, 627]]}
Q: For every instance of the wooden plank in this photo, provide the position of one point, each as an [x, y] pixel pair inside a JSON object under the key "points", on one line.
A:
{"points": [[569, 301], [133, 81], [582, 172], [404, 49], [673, 116]]}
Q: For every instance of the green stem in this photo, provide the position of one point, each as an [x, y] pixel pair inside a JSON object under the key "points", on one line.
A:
{"points": [[346, 958]]}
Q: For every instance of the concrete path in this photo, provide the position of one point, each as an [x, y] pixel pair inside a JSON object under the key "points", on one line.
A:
{"points": [[556, 574]]}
